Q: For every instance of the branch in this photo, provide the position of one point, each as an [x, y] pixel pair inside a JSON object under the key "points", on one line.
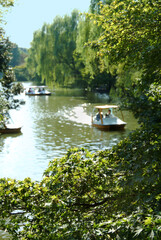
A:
{"points": [[87, 205]]}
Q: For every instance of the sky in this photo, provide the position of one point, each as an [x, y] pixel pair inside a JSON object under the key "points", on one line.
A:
{"points": [[27, 16]]}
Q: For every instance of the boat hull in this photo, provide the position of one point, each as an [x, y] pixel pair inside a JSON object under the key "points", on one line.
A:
{"points": [[114, 127], [10, 130], [38, 94]]}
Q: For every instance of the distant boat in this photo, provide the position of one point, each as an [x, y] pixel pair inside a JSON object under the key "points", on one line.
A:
{"points": [[37, 91], [10, 130], [107, 121], [6, 127]]}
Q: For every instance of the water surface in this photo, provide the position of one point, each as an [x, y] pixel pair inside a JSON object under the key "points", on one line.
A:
{"points": [[52, 125]]}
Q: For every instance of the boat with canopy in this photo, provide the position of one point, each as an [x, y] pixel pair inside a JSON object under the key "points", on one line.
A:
{"points": [[104, 119], [37, 91]]}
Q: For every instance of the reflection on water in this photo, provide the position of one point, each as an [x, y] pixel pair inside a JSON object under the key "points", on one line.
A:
{"points": [[52, 125]]}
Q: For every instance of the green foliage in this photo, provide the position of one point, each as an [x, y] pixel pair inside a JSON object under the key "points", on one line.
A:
{"points": [[21, 73], [51, 53], [4, 59], [107, 195], [6, 73], [4, 5], [131, 36], [15, 56], [90, 68], [7, 76], [4, 51], [95, 7], [58, 56], [128, 24], [18, 55]]}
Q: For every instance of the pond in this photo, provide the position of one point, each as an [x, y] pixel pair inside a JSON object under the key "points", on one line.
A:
{"points": [[50, 126]]}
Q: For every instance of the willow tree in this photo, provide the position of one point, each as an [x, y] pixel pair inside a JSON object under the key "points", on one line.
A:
{"points": [[92, 72], [93, 75], [35, 58], [51, 54]]}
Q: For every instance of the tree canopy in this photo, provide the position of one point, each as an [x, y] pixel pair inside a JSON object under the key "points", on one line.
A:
{"points": [[131, 35], [7, 85], [4, 5], [58, 57], [51, 53]]}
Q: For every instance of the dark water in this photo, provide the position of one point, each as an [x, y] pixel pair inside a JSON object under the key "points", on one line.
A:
{"points": [[52, 125]]}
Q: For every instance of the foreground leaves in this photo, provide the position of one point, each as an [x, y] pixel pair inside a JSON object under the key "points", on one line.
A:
{"points": [[108, 195]]}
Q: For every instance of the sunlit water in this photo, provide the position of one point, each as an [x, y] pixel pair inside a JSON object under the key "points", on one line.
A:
{"points": [[52, 125]]}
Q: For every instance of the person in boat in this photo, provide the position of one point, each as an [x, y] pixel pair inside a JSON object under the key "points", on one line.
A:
{"points": [[98, 116], [108, 114]]}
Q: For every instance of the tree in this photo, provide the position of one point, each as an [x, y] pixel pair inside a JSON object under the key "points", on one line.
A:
{"points": [[93, 74], [18, 55], [51, 54], [6, 72], [95, 6], [15, 61], [131, 35], [18, 62]]}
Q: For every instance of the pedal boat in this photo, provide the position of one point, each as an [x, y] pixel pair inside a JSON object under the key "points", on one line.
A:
{"points": [[37, 91], [107, 122]]}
